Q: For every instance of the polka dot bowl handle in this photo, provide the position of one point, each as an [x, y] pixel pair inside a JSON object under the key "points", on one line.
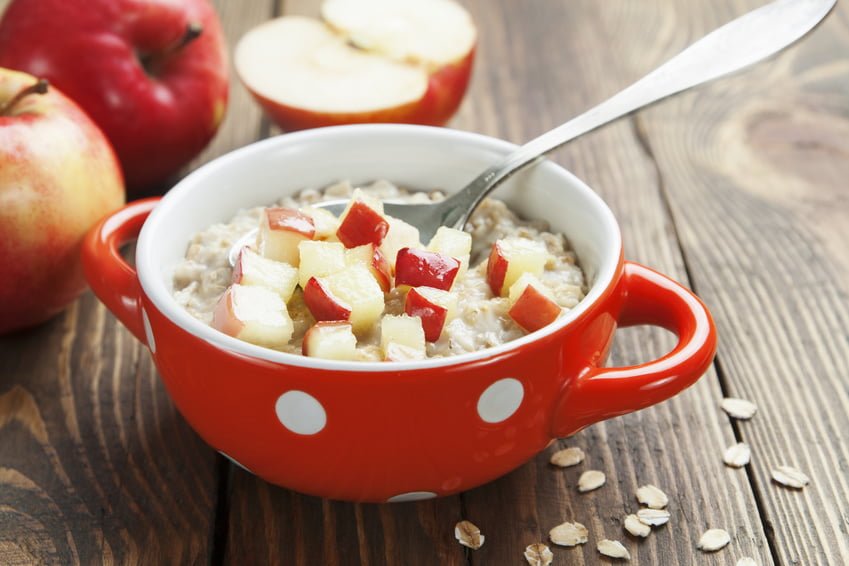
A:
{"points": [[653, 299], [111, 278]]}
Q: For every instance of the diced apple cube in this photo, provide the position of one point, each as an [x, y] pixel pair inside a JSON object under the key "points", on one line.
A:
{"points": [[330, 341], [453, 243], [351, 294], [415, 268], [362, 222], [510, 258], [403, 330], [371, 257], [400, 353], [434, 307], [252, 269], [532, 304], [253, 314], [280, 232], [400, 235], [325, 222], [318, 259]]}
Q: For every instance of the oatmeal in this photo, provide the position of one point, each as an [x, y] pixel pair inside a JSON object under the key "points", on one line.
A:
{"points": [[363, 287]]}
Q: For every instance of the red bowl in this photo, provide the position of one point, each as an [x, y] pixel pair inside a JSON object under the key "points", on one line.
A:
{"points": [[393, 431]]}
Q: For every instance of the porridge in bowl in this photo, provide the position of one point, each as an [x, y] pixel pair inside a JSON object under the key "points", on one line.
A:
{"points": [[363, 287]]}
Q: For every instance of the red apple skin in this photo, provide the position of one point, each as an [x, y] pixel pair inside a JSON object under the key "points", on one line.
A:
{"points": [[88, 49], [418, 268], [445, 91], [321, 303], [496, 270], [291, 220], [381, 270], [432, 315], [58, 176], [533, 310], [362, 225], [224, 318]]}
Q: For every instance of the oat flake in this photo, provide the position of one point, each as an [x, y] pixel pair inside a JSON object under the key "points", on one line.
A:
{"points": [[737, 455], [636, 527], [790, 477], [746, 561], [590, 480], [538, 554], [652, 497], [468, 534], [568, 534], [653, 517], [613, 549], [739, 408], [713, 539], [568, 457]]}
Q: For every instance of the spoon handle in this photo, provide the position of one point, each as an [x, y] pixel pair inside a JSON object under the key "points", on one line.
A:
{"points": [[734, 46]]}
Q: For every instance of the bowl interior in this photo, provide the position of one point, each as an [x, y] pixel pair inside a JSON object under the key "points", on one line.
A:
{"points": [[415, 157]]}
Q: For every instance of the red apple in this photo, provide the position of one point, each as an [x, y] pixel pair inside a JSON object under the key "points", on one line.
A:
{"points": [[454, 243], [253, 269], [436, 308], [58, 176], [330, 341], [372, 61], [532, 305], [281, 230], [417, 268], [318, 259], [351, 294], [510, 258], [253, 314], [152, 74], [362, 223], [400, 235], [323, 304], [370, 256]]}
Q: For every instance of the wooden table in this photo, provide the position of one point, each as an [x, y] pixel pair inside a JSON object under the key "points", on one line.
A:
{"points": [[738, 189]]}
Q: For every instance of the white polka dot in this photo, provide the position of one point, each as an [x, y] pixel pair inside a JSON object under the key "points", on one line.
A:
{"points": [[148, 332], [500, 400], [411, 496], [235, 462], [301, 413]]}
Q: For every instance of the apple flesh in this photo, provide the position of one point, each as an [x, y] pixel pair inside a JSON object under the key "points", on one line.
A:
{"points": [[324, 221], [371, 257], [151, 74], [253, 314], [253, 269], [453, 243], [351, 294], [318, 259], [400, 235], [510, 258], [330, 341], [402, 337], [58, 176], [281, 230], [434, 307], [362, 222], [395, 352], [415, 268], [532, 306]]}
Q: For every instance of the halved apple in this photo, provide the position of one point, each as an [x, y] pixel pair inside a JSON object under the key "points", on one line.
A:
{"points": [[371, 257], [510, 258], [318, 259], [383, 61], [280, 232], [435, 307], [351, 294], [532, 304], [405, 331], [453, 243], [330, 341], [253, 314], [253, 269], [416, 268]]}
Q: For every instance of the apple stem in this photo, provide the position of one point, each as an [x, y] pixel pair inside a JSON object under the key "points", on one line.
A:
{"points": [[193, 31], [38, 87]]}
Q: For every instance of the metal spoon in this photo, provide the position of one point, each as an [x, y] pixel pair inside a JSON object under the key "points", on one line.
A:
{"points": [[734, 46]]}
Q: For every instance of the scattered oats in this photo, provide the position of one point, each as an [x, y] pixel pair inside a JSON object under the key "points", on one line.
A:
{"points": [[737, 455], [590, 480], [653, 517], [652, 497], [713, 540], [746, 561], [568, 534], [613, 549], [538, 554], [636, 527], [790, 477], [568, 457], [739, 408], [468, 534]]}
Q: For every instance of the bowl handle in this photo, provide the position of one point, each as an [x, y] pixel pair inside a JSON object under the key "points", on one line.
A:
{"points": [[112, 279], [649, 298]]}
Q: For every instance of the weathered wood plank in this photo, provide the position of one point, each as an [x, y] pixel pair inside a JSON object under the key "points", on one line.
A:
{"points": [[754, 170]]}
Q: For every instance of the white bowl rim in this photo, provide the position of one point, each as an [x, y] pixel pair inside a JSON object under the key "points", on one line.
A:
{"points": [[157, 292]]}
